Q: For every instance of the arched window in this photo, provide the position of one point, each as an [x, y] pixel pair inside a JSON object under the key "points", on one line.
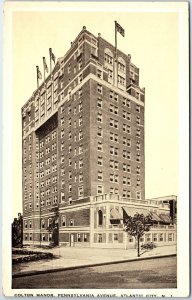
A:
{"points": [[42, 224], [100, 218], [108, 56], [121, 64]]}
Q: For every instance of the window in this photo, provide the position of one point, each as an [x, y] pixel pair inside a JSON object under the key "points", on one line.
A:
{"points": [[138, 146], [126, 115], [69, 109], [138, 133], [80, 78], [137, 108], [70, 162], [113, 123], [69, 68], [138, 157], [42, 224], [113, 164], [100, 146], [80, 135], [99, 102], [148, 237], [111, 190], [126, 154], [121, 80], [113, 150], [126, 141], [138, 195], [170, 237], [78, 237], [126, 102], [113, 109], [85, 237], [99, 73], [99, 88], [99, 189], [138, 121], [100, 218], [138, 170], [80, 107], [62, 133], [100, 238], [63, 221], [131, 239], [155, 237], [80, 64], [114, 178], [116, 237], [99, 131], [80, 163], [80, 177], [100, 161], [100, 175], [126, 194], [99, 117], [138, 182], [80, 92], [108, 57], [71, 223], [70, 188], [80, 121], [80, 191], [70, 174], [80, 149], [110, 74], [113, 137]]}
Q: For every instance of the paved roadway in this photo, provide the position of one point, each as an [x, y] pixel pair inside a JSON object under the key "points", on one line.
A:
{"points": [[153, 273]]}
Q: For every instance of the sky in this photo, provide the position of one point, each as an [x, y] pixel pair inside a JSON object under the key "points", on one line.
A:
{"points": [[152, 39]]}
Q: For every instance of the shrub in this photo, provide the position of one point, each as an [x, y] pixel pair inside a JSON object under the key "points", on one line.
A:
{"points": [[148, 246]]}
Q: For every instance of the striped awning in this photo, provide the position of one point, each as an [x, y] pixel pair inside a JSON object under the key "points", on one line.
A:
{"points": [[155, 217], [165, 218], [114, 214], [131, 211]]}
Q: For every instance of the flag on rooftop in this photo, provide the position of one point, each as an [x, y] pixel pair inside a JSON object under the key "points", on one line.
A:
{"points": [[45, 65], [52, 56], [39, 75], [120, 29]]}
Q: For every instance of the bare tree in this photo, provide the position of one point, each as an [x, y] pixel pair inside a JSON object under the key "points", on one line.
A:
{"points": [[136, 226]]}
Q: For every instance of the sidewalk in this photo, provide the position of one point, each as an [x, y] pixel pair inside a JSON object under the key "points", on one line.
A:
{"points": [[73, 257]]}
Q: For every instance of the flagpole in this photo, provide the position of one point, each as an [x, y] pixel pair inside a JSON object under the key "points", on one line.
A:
{"points": [[50, 51], [37, 68], [44, 68], [116, 40]]}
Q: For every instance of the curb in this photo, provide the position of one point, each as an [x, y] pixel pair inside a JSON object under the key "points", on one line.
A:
{"points": [[32, 273]]}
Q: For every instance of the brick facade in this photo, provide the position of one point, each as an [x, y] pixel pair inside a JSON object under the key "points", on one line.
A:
{"points": [[83, 137]]}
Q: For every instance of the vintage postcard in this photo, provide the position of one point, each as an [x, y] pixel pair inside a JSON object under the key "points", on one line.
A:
{"points": [[95, 149]]}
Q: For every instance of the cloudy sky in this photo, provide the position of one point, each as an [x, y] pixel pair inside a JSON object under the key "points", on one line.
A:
{"points": [[152, 39]]}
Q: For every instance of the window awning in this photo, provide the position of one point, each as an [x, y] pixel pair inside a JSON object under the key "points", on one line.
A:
{"points": [[114, 214], [131, 211], [165, 218], [155, 217]]}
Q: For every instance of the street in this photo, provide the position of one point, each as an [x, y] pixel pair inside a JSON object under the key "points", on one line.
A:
{"points": [[153, 273]]}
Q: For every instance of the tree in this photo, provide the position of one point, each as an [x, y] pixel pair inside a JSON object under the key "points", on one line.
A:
{"points": [[136, 226], [53, 227], [17, 231]]}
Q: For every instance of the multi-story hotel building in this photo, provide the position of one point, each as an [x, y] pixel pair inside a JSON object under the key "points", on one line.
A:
{"points": [[83, 150]]}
